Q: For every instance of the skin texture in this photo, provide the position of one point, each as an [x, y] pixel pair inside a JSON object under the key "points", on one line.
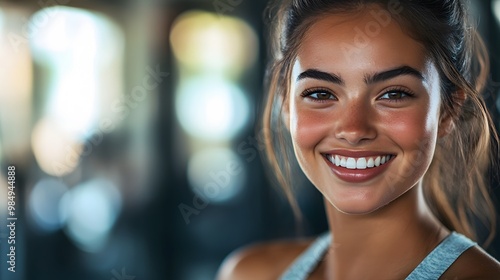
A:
{"points": [[381, 228], [406, 127]]}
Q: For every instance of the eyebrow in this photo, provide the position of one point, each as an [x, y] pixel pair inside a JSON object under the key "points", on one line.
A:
{"points": [[392, 73], [320, 75], [369, 79]]}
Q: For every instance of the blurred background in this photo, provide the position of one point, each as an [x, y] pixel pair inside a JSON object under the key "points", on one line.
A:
{"points": [[131, 126]]}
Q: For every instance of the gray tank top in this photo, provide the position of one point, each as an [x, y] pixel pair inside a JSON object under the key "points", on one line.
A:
{"points": [[431, 268]]}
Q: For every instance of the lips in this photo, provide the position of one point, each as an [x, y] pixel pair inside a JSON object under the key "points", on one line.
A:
{"points": [[358, 166]]}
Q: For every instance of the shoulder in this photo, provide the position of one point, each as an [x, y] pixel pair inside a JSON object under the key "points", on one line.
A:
{"points": [[261, 261], [474, 263]]}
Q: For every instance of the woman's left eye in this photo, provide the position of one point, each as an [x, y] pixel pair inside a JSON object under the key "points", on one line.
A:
{"points": [[395, 95], [321, 95]]}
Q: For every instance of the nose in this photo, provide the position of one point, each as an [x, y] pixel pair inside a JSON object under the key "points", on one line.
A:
{"points": [[356, 122]]}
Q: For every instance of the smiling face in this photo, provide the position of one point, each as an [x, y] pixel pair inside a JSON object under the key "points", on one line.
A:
{"points": [[363, 120]]}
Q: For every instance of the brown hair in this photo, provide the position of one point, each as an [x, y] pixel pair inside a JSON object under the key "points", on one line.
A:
{"points": [[455, 186]]}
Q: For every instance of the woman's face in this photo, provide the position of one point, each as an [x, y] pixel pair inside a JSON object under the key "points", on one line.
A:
{"points": [[363, 111]]}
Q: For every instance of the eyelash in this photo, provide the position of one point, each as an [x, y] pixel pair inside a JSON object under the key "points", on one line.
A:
{"points": [[399, 90], [308, 92]]}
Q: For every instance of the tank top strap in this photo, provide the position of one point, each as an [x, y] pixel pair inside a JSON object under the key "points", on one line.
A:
{"points": [[309, 259], [432, 267], [442, 257]]}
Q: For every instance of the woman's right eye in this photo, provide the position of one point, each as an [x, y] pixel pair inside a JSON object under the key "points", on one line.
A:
{"points": [[319, 95]]}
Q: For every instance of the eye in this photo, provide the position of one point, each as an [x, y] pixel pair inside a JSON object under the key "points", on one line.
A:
{"points": [[395, 95], [318, 95]]}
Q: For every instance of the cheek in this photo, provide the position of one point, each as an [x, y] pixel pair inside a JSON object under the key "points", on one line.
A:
{"points": [[411, 126], [415, 132], [307, 128], [416, 124]]}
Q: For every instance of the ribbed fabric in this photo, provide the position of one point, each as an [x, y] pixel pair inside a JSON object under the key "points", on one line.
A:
{"points": [[308, 260], [442, 257], [431, 268]]}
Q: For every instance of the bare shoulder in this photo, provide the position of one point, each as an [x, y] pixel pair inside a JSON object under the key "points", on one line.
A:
{"points": [[474, 263], [261, 261]]}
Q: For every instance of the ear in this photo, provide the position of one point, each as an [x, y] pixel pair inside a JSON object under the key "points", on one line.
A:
{"points": [[446, 121]]}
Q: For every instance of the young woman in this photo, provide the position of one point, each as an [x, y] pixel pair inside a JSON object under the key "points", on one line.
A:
{"points": [[381, 101]]}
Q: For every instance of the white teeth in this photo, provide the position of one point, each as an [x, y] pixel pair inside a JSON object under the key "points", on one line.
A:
{"points": [[351, 163], [358, 163], [370, 163], [361, 163]]}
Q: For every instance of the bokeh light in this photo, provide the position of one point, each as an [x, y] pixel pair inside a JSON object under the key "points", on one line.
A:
{"points": [[56, 151], [44, 202], [68, 44], [211, 108], [74, 48], [211, 42], [216, 174], [90, 211], [495, 4]]}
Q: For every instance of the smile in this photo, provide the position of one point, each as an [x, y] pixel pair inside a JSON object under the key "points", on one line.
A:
{"points": [[360, 162], [357, 166]]}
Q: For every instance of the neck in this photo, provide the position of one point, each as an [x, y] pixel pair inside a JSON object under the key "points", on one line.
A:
{"points": [[391, 240]]}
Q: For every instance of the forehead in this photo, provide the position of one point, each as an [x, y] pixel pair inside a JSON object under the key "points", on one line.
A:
{"points": [[369, 39]]}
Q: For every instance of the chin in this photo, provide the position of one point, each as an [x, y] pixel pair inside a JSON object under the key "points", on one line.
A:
{"points": [[360, 206], [357, 210]]}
